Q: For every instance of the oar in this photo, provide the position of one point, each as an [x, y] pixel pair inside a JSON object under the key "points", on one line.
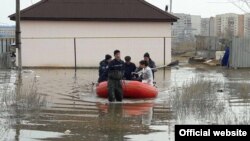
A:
{"points": [[160, 67], [172, 64]]}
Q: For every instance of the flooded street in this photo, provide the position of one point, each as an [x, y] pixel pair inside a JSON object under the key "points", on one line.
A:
{"points": [[61, 104]]}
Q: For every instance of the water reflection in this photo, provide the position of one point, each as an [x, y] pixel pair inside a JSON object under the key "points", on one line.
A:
{"points": [[118, 120], [126, 110], [112, 123]]}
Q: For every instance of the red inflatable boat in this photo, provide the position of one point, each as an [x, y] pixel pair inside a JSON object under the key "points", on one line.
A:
{"points": [[131, 89]]}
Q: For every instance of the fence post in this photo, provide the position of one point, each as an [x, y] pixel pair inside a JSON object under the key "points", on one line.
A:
{"points": [[164, 50], [232, 54], [75, 53], [9, 44], [2, 45], [6, 45]]}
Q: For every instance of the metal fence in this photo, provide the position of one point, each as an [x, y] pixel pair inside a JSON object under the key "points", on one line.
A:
{"points": [[5, 60], [86, 52], [240, 53], [5, 44], [208, 43]]}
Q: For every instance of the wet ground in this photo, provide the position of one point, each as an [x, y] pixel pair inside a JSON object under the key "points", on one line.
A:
{"points": [[59, 104]]}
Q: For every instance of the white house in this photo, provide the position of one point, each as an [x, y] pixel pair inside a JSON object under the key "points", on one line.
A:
{"points": [[69, 33]]}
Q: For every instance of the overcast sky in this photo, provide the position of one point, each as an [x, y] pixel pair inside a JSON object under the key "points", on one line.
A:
{"points": [[205, 8]]}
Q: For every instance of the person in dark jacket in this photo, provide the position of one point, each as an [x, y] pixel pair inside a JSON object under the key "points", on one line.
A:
{"points": [[129, 68], [151, 63], [225, 59], [103, 68], [115, 75]]}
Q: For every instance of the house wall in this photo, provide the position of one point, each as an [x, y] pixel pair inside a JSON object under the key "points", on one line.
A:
{"points": [[51, 44]]}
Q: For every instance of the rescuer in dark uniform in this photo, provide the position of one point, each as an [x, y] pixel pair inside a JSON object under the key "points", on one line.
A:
{"points": [[115, 76], [129, 68], [103, 68]]}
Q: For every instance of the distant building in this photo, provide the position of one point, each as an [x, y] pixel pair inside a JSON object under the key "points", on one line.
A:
{"points": [[241, 26], [224, 25], [212, 26], [186, 26], [208, 27], [196, 24], [247, 25], [205, 27], [182, 29], [228, 25], [7, 31]]}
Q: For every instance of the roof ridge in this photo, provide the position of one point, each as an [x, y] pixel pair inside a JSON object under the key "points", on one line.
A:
{"points": [[157, 9], [34, 5], [149, 12], [31, 7]]}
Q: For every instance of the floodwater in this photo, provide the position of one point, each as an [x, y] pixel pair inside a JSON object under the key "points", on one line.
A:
{"points": [[61, 105]]}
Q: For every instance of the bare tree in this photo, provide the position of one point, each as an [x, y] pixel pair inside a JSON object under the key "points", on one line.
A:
{"points": [[243, 5]]}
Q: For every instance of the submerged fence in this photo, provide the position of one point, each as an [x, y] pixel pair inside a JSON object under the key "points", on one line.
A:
{"points": [[5, 44], [240, 53], [5, 60], [87, 52]]}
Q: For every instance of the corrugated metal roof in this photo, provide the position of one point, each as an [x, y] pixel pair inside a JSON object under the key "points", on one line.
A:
{"points": [[95, 10]]}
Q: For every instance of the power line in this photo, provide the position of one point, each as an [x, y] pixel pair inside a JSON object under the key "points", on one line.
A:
{"points": [[221, 2], [243, 5]]}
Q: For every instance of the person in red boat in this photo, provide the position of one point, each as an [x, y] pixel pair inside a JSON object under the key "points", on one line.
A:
{"points": [[146, 73], [103, 68], [129, 68], [150, 62]]}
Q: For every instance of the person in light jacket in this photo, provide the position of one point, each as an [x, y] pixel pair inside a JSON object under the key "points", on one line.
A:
{"points": [[150, 62], [147, 74]]}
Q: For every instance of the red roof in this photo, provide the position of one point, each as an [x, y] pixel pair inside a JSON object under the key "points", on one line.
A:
{"points": [[95, 10]]}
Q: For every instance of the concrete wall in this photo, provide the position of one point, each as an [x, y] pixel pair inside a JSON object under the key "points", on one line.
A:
{"points": [[51, 44]]}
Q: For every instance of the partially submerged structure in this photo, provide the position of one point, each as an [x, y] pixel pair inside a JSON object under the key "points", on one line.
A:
{"points": [[78, 33]]}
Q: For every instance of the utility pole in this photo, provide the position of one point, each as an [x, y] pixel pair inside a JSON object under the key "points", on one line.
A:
{"points": [[171, 4], [19, 80], [209, 32], [18, 36]]}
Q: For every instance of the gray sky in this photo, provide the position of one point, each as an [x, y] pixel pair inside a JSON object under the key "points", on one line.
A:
{"points": [[205, 8]]}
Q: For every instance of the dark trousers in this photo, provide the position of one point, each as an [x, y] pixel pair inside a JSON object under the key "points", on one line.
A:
{"points": [[115, 90]]}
